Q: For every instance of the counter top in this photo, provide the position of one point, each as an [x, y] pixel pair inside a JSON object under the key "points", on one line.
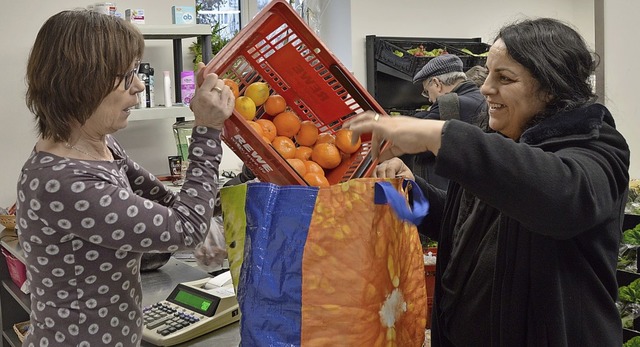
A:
{"points": [[158, 284]]}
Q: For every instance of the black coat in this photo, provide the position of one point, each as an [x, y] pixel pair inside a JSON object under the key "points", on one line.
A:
{"points": [[471, 105], [560, 192]]}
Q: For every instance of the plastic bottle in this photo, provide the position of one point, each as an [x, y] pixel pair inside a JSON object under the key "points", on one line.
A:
{"points": [[167, 89], [142, 96], [145, 69], [152, 84], [182, 133]]}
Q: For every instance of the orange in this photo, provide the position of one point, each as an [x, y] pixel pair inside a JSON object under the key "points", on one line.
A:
{"points": [[246, 107], [257, 127], [303, 152], [275, 104], [258, 92], [326, 138], [326, 155], [284, 146], [287, 123], [312, 166], [298, 165], [308, 134], [233, 85], [315, 179], [343, 141], [269, 129]]}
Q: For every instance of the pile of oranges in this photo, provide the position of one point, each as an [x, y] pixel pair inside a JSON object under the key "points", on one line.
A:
{"points": [[310, 153]]}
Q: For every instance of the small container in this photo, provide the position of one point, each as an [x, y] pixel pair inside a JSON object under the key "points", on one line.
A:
{"points": [[108, 8], [182, 132], [187, 86], [167, 89], [134, 15]]}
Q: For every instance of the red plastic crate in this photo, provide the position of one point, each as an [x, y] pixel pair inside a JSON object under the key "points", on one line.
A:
{"points": [[278, 48]]}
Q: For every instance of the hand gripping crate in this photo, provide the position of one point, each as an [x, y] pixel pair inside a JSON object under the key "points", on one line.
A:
{"points": [[278, 48]]}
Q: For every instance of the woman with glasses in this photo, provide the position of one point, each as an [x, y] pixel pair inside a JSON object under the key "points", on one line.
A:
{"points": [[87, 211], [529, 229]]}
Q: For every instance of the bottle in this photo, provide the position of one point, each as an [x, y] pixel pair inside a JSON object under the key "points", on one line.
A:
{"points": [[145, 69], [182, 133], [142, 96], [152, 84], [167, 89]]}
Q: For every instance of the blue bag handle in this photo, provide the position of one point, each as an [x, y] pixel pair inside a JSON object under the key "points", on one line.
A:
{"points": [[385, 193]]}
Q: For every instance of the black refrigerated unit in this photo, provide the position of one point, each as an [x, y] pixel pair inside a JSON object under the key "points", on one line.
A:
{"points": [[390, 67]]}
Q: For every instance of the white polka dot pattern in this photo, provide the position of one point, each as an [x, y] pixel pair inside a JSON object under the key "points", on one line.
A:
{"points": [[83, 226]]}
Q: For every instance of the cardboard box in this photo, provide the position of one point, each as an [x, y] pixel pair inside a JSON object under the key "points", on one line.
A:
{"points": [[183, 14]]}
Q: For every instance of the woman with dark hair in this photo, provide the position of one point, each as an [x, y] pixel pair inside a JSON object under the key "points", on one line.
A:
{"points": [[528, 230], [86, 212]]}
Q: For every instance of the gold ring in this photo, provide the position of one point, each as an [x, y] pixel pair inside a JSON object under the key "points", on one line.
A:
{"points": [[217, 89], [376, 117]]}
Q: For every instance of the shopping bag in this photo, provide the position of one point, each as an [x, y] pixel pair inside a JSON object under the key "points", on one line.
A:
{"points": [[335, 266]]}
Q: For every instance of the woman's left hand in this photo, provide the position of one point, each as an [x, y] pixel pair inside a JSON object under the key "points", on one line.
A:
{"points": [[393, 168]]}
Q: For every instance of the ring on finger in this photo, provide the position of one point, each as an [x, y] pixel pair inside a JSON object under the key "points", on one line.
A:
{"points": [[376, 117], [217, 89]]}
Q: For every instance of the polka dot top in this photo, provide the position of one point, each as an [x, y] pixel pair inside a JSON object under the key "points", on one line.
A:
{"points": [[83, 225]]}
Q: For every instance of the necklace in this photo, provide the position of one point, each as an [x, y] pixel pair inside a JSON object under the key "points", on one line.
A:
{"points": [[68, 145]]}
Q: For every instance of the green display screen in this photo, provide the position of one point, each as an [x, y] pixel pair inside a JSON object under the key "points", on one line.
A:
{"points": [[193, 301]]}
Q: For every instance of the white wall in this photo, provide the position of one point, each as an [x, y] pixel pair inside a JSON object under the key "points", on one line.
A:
{"points": [[345, 25]]}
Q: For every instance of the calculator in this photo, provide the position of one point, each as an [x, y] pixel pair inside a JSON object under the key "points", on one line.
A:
{"points": [[191, 310]]}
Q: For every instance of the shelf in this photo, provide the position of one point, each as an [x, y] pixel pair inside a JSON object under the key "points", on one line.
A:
{"points": [[11, 337], [21, 298], [160, 112], [174, 31]]}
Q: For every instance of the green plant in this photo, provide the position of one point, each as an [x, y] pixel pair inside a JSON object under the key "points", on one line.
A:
{"points": [[627, 255], [632, 342], [217, 43], [629, 303]]}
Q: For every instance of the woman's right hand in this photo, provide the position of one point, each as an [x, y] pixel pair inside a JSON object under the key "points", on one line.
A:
{"points": [[393, 168], [213, 101]]}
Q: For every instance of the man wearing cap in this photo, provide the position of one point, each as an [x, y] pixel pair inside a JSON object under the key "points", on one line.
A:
{"points": [[453, 96]]}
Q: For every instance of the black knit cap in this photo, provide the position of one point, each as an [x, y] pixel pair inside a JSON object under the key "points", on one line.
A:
{"points": [[437, 66]]}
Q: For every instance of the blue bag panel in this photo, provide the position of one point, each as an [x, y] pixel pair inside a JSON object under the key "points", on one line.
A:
{"points": [[269, 292]]}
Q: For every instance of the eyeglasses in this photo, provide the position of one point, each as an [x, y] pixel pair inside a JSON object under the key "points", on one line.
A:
{"points": [[128, 77], [424, 92]]}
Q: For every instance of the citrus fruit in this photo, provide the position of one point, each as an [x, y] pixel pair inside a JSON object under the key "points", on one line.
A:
{"points": [[233, 85], [284, 146], [316, 179], [308, 134], [303, 152], [258, 92], [343, 141], [257, 127], [312, 166], [269, 129], [298, 165], [287, 123], [326, 138], [246, 107], [275, 104], [326, 155]]}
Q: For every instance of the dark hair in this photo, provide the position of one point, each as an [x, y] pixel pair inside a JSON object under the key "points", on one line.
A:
{"points": [[78, 58], [557, 57]]}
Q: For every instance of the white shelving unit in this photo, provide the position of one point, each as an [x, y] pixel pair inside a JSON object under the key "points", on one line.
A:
{"points": [[174, 32]]}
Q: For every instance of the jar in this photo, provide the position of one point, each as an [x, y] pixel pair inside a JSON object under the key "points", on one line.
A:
{"points": [[108, 8]]}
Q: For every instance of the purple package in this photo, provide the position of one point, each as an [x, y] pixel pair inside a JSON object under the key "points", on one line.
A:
{"points": [[187, 86]]}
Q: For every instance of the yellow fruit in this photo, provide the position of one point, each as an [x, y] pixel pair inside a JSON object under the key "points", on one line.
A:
{"points": [[258, 92], [246, 107]]}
